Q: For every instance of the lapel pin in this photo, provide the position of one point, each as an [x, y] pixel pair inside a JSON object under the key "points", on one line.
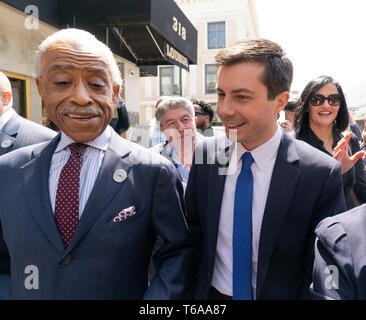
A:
{"points": [[119, 175], [6, 144]]}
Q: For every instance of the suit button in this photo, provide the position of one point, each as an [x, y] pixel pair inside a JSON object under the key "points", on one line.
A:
{"points": [[67, 259]]}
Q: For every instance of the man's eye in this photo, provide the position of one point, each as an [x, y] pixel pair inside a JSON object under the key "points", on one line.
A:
{"points": [[61, 83], [241, 97], [97, 85]]}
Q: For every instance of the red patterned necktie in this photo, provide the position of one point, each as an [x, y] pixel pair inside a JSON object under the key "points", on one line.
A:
{"points": [[67, 196]]}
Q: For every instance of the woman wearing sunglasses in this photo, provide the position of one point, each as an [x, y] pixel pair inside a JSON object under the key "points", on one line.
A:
{"points": [[321, 117]]}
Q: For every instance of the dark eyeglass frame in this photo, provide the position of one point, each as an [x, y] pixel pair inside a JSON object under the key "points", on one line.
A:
{"points": [[334, 100]]}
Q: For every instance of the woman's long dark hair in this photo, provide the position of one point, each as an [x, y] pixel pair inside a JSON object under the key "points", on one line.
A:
{"points": [[301, 120]]}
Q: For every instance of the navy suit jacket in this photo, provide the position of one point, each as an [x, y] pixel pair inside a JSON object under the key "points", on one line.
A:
{"points": [[306, 186], [105, 260], [19, 132], [341, 247]]}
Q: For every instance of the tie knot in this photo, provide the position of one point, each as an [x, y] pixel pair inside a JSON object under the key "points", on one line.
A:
{"points": [[247, 160], [77, 148]]}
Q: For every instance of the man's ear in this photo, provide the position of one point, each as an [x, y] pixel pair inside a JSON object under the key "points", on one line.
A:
{"points": [[40, 87], [7, 97], [195, 120], [115, 96], [281, 101]]}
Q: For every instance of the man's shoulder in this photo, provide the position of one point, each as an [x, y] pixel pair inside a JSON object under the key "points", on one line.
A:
{"points": [[348, 225], [19, 157], [140, 155], [310, 156], [31, 127]]}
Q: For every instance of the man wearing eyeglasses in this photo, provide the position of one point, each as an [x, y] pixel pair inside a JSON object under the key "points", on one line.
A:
{"points": [[204, 113], [288, 123]]}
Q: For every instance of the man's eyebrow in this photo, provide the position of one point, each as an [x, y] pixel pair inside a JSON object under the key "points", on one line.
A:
{"points": [[69, 66], [97, 70], [60, 67], [240, 90]]}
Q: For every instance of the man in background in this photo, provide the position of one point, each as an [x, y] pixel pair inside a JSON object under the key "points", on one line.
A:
{"points": [[16, 131], [204, 114]]}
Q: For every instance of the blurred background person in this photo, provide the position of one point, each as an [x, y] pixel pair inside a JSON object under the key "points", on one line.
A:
{"points": [[148, 133], [122, 122], [288, 123], [204, 113], [16, 131], [177, 122], [320, 118]]}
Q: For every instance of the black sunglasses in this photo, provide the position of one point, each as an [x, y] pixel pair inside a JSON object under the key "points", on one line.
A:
{"points": [[318, 99]]}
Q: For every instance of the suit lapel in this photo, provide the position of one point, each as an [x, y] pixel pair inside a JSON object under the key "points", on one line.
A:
{"points": [[105, 187], [285, 174], [36, 192], [215, 192]]}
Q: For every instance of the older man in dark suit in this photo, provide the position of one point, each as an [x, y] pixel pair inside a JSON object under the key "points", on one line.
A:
{"points": [[15, 131], [80, 214], [260, 195]]}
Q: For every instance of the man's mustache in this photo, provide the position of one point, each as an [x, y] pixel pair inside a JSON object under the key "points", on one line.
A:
{"points": [[81, 110]]}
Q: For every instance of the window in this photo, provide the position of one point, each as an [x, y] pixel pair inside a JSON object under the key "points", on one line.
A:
{"points": [[166, 81], [216, 35], [210, 78]]}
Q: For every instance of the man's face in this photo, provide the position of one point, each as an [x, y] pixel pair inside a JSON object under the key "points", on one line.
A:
{"points": [[243, 105], [201, 117], [77, 90], [5, 94], [178, 126]]}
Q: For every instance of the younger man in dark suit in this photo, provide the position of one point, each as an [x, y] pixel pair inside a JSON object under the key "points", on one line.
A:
{"points": [[259, 196]]}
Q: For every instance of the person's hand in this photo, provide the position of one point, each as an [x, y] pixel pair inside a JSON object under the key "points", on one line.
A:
{"points": [[340, 153], [286, 125]]}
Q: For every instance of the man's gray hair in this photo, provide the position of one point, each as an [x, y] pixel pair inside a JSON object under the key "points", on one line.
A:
{"points": [[173, 103], [81, 40]]}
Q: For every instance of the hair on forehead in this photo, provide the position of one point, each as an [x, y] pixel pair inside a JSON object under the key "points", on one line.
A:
{"points": [[79, 40], [170, 103]]}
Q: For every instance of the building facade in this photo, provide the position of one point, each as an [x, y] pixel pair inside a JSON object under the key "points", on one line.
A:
{"points": [[219, 23], [135, 31]]}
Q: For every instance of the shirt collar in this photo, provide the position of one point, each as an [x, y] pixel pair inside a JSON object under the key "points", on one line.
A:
{"points": [[263, 153], [100, 142], [5, 117]]}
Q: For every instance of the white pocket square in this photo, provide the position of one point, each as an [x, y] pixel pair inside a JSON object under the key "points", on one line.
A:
{"points": [[124, 214]]}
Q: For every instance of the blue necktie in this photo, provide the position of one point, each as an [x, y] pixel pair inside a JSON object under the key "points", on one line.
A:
{"points": [[242, 232]]}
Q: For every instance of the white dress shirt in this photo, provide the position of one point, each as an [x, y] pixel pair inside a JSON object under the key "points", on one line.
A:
{"points": [[5, 117], [264, 159], [92, 160]]}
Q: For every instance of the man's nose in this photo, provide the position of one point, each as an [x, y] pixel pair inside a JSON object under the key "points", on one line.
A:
{"points": [[224, 108], [81, 95]]}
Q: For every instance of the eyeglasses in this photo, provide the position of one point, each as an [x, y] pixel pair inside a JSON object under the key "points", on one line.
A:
{"points": [[318, 99], [199, 114]]}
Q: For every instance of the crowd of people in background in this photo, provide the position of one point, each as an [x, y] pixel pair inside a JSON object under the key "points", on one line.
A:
{"points": [[156, 216]]}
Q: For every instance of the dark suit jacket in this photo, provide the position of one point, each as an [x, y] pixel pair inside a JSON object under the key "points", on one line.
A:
{"points": [[104, 260], [341, 243], [20, 132], [306, 187]]}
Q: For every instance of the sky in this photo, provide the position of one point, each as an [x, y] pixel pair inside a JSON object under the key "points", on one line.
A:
{"points": [[321, 37]]}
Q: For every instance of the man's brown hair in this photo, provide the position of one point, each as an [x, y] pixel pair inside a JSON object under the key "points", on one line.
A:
{"points": [[278, 71]]}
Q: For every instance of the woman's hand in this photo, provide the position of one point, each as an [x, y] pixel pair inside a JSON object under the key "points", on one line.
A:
{"points": [[340, 153]]}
